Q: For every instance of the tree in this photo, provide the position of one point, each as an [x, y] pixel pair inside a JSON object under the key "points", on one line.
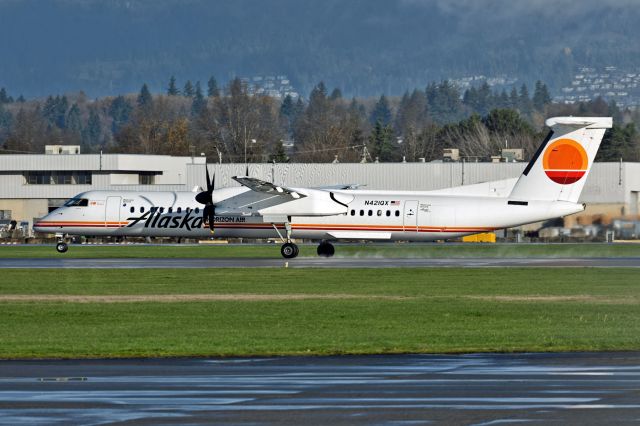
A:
{"points": [[381, 112], [506, 122], [199, 103], [524, 102], [380, 142], [172, 90], [336, 94], [541, 97], [188, 90], [620, 142], [4, 97], [212, 88], [144, 98], [120, 111], [74, 120], [279, 154], [91, 133]]}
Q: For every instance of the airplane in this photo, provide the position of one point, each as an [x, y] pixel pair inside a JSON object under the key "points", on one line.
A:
{"points": [[548, 188]]}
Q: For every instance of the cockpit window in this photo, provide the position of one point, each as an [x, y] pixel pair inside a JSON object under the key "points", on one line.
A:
{"points": [[77, 202]]}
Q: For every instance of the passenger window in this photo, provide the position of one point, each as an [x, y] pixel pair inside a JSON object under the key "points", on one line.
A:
{"points": [[132, 209], [379, 212], [161, 209], [397, 212], [361, 212], [197, 210], [141, 209], [170, 209], [179, 209], [370, 212], [353, 212], [388, 213]]}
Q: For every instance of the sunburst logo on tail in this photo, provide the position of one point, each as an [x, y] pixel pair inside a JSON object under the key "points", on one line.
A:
{"points": [[565, 161]]}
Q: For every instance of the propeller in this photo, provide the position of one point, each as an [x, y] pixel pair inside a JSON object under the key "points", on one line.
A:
{"points": [[204, 197]]}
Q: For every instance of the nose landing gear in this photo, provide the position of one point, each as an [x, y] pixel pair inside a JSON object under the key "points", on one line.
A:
{"points": [[326, 249], [289, 250], [62, 247]]}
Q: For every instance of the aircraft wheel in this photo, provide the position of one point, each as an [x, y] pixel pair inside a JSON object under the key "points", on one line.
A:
{"points": [[289, 250], [62, 247], [326, 249]]}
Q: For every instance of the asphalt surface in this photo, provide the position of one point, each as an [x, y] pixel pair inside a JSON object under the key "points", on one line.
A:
{"points": [[317, 262], [580, 388]]}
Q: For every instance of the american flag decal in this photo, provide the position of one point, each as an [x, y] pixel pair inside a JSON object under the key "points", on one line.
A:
{"points": [[395, 203]]}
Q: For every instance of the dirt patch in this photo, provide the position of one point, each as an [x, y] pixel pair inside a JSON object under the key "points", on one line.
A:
{"points": [[574, 298], [168, 298]]}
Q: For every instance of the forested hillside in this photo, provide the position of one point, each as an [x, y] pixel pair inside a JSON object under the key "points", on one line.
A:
{"points": [[363, 47], [190, 118]]}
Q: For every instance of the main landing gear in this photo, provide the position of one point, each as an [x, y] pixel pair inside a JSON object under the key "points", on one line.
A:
{"points": [[61, 245], [326, 249]]}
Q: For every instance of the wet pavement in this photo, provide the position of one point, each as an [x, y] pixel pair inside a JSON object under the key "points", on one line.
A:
{"points": [[480, 389]]}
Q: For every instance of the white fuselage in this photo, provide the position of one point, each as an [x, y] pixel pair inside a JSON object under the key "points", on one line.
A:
{"points": [[348, 215]]}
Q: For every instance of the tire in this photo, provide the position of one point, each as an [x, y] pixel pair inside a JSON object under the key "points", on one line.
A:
{"points": [[289, 250], [62, 247], [326, 249]]}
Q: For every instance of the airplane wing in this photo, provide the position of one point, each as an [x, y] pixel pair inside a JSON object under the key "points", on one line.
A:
{"points": [[267, 187], [340, 186]]}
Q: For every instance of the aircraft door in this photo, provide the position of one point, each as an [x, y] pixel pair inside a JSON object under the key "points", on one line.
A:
{"points": [[411, 216], [112, 210]]}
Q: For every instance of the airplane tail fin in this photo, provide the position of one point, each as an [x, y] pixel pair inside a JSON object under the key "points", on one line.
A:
{"points": [[560, 166]]}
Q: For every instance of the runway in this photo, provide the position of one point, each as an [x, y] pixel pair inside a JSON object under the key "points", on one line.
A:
{"points": [[317, 262], [582, 388]]}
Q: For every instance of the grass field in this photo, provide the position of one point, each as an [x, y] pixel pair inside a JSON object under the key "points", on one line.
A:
{"points": [[208, 312], [349, 250]]}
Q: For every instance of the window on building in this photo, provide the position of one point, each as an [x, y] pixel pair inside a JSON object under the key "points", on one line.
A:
{"points": [[5, 214], [60, 177], [146, 178]]}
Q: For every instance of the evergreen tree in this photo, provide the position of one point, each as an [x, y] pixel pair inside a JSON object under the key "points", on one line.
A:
{"points": [[120, 112], [381, 112], [199, 103], [336, 94], [188, 90], [74, 121], [287, 108], [279, 154], [4, 97], [21, 99], [6, 119], [61, 107], [172, 90], [144, 98], [212, 88], [506, 121], [619, 143], [524, 102], [513, 98], [380, 142], [541, 97], [91, 134]]}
